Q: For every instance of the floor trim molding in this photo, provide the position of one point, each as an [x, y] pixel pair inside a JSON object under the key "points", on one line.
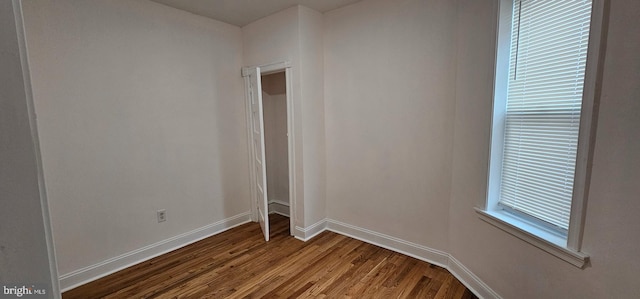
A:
{"points": [[90, 273], [420, 252], [307, 233], [424, 253], [279, 207], [437, 257], [470, 280]]}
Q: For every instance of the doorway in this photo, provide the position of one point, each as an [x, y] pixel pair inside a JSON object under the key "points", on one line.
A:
{"points": [[270, 140], [274, 100]]}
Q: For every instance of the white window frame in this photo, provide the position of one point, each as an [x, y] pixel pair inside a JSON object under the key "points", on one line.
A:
{"points": [[533, 231]]}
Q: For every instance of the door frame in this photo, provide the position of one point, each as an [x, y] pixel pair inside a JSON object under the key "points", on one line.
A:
{"points": [[18, 15], [265, 69]]}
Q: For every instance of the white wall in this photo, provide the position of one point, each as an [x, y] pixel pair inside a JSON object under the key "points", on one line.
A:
{"points": [[284, 36], [313, 118], [389, 104], [26, 253], [513, 268], [141, 107]]}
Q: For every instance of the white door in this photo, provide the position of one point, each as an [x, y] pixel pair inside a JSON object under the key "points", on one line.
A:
{"points": [[257, 141]]}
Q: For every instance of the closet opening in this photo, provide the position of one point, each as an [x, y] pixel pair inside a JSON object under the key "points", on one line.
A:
{"points": [[274, 99], [271, 150]]}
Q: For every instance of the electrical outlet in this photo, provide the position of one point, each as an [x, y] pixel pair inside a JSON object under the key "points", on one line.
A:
{"points": [[162, 215]]}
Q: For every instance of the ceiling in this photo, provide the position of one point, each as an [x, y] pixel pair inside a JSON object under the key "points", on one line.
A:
{"points": [[243, 12]]}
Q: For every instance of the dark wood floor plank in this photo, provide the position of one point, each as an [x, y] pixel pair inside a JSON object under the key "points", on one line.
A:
{"points": [[322, 266], [339, 277], [142, 272], [339, 271], [225, 283], [239, 264], [246, 276], [409, 281], [444, 290], [291, 266]]}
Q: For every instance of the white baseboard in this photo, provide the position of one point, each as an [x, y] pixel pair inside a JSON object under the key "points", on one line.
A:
{"points": [[87, 274], [418, 251], [433, 256], [470, 280], [279, 207], [430, 255], [307, 233]]}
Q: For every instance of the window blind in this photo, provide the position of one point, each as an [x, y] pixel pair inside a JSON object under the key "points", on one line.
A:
{"points": [[546, 77]]}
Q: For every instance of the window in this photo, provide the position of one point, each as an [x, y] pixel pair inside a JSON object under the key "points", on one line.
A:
{"points": [[543, 106]]}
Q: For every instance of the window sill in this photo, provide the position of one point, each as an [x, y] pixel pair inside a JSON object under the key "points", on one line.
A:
{"points": [[535, 236]]}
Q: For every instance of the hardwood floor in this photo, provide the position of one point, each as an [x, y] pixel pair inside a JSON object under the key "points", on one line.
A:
{"points": [[239, 264]]}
